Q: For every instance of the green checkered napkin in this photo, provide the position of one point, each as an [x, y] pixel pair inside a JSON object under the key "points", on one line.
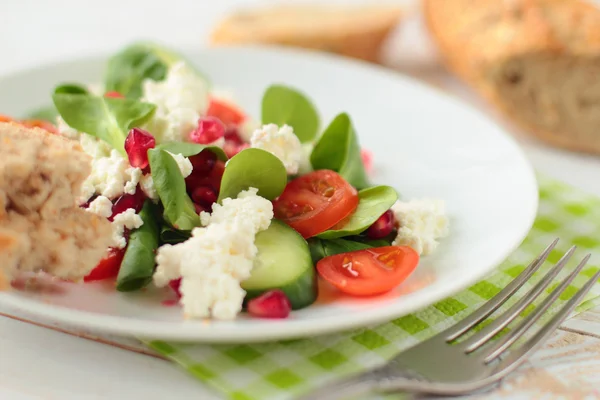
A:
{"points": [[282, 370]]}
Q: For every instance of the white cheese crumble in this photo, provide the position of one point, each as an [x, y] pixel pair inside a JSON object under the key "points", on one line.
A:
{"points": [[128, 219], [94, 147], [248, 207], [97, 89], [180, 99], [214, 261], [147, 186], [281, 142], [101, 206], [420, 224], [111, 177], [184, 164]]}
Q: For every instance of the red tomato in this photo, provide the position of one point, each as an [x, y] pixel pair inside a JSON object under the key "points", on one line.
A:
{"points": [[114, 95], [369, 272], [108, 267], [38, 123], [4, 118], [227, 113], [315, 202]]}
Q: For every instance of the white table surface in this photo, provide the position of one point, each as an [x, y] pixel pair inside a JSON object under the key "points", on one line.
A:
{"points": [[37, 363]]}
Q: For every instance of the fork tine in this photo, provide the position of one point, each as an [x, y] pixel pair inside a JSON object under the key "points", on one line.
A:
{"points": [[515, 334], [515, 358], [492, 305], [484, 335]]}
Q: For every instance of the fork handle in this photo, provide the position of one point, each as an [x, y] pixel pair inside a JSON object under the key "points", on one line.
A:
{"points": [[357, 385]]}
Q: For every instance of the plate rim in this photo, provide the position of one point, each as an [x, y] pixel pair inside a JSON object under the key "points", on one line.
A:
{"points": [[188, 331]]}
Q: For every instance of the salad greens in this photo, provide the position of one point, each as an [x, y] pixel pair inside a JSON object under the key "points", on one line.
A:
{"points": [[109, 119], [48, 114], [373, 202], [191, 149], [173, 236], [170, 186], [320, 248], [131, 66], [338, 150], [138, 263], [253, 168], [284, 105]]}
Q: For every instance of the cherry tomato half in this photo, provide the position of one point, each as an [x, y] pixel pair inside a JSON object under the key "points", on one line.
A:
{"points": [[227, 113], [369, 272], [315, 202], [108, 267]]}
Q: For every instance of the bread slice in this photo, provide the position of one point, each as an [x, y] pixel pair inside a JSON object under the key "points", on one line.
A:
{"points": [[39, 172], [538, 61], [67, 246], [353, 31], [41, 227]]}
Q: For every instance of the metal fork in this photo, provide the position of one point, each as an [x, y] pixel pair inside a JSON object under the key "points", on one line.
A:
{"points": [[444, 366]]}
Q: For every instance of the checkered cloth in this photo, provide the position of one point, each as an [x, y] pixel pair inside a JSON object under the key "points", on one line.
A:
{"points": [[282, 370]]}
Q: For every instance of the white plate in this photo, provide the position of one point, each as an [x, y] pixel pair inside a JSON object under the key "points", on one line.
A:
{"points": [[424, 143]]}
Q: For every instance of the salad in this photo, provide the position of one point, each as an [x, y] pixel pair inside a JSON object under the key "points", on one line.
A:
{"points": [[231, 213]]}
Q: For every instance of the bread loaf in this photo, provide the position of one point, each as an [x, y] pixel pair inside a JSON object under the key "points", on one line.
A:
{"points": [[354, 31], [538, 61]]}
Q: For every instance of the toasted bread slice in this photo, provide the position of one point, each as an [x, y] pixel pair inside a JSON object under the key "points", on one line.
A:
{"points": [[537, 61], [353, 31]]}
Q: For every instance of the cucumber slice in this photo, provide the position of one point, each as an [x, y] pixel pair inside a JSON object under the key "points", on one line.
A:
{"points": [[283, 262]]}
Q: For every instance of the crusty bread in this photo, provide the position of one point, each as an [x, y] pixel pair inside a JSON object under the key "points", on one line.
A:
{"points": [[39, 172], [538, 61], [41, 227], [353, 31]]}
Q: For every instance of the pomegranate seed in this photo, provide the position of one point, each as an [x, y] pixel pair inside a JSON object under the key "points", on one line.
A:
{"points": [[233, 135], [367, 159], [175, 284], [271, 304], [123, 203], [203, 162], [213, 179], [209, 130], [198, 208], [137, 144], [108, 267], [114, 95], [382, 227], [231, 148], [204, 196]]}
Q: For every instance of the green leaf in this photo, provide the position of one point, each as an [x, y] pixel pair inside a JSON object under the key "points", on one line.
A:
{"points": [[373, 202], [191, 149], [109, 119], [338, 150], [386, 241], [173, 236], [321, 248], [253, 168], [127, 69], [45, 114], [284, 105], [139, 260], [170, 186]]}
